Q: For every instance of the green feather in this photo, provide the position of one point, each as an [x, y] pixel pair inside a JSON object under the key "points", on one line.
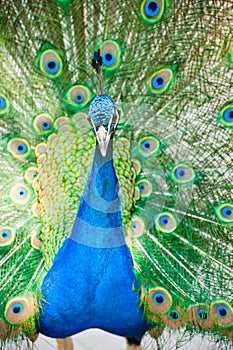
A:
{"points": [[172, 149]]}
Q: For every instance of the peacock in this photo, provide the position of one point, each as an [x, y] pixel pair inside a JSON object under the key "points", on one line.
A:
{"points": [[116, 126]]}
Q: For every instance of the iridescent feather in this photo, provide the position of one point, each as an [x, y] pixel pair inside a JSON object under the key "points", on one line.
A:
{"points": [[168, 67]]}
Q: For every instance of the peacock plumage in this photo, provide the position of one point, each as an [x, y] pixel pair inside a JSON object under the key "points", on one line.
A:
{"points": [[116, 181]]}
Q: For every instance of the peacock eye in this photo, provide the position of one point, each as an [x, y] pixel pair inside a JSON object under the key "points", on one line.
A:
{"points": [[35, 241], [159, 300], [137, 226], [21, 148], [227, 212], [52, 66], [148, 145], [165, 222], [20, 194], [40, 149], [174, 315], [50, 63], [111, 54], [226, 116], [145, 188], [30, 174], [160, 81], [19, 309], [202, 314], [199, 315], [108, 59], [18, 147], [4, 104], [43, 123], [78, 96], [183, 174], [152, 8], [141, 187], [222, 313], [7, 236], [224, 212], [152, 11], [174, 318]]}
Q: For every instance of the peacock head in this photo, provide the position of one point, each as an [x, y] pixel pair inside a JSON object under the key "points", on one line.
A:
{"points": [[104, 117]]}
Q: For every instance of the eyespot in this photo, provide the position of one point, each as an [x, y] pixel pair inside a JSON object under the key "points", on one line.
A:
{"points": [[20, 194], [137, 226], [145, 188], [203, 314], [35, 241], [174, 319], [159, 300], [78, 96], [226, 115], [165, 222], [19, 309], [4, 104], [149, 145], [111, 54], [183, 174], [152, 11], [224, 212], [7, 236], [199, 316], [30, 174], [40, 149], [174, 315], [222, 313], [19, 148], [160, 81], [43, 123], [50, 63]]}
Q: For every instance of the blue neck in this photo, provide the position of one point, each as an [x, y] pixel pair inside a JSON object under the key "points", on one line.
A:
{"points": [[98, 222]]}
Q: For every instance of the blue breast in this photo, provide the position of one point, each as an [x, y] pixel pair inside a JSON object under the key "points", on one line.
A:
{"points": [[91, 283]]}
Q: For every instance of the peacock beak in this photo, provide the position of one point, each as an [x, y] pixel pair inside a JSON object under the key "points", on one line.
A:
{"points": [[103, 136]]}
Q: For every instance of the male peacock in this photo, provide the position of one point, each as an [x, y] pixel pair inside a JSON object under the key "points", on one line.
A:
{"points": [[116, 182]]}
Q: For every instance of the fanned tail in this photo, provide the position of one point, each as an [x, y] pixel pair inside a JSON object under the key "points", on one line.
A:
{"points": [[168, 65]]}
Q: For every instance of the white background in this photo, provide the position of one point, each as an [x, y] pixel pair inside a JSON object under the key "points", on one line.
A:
{"points": [[99, 340]]}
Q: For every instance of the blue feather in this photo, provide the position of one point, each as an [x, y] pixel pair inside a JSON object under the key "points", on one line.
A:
{"points": [[96, 256]]}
